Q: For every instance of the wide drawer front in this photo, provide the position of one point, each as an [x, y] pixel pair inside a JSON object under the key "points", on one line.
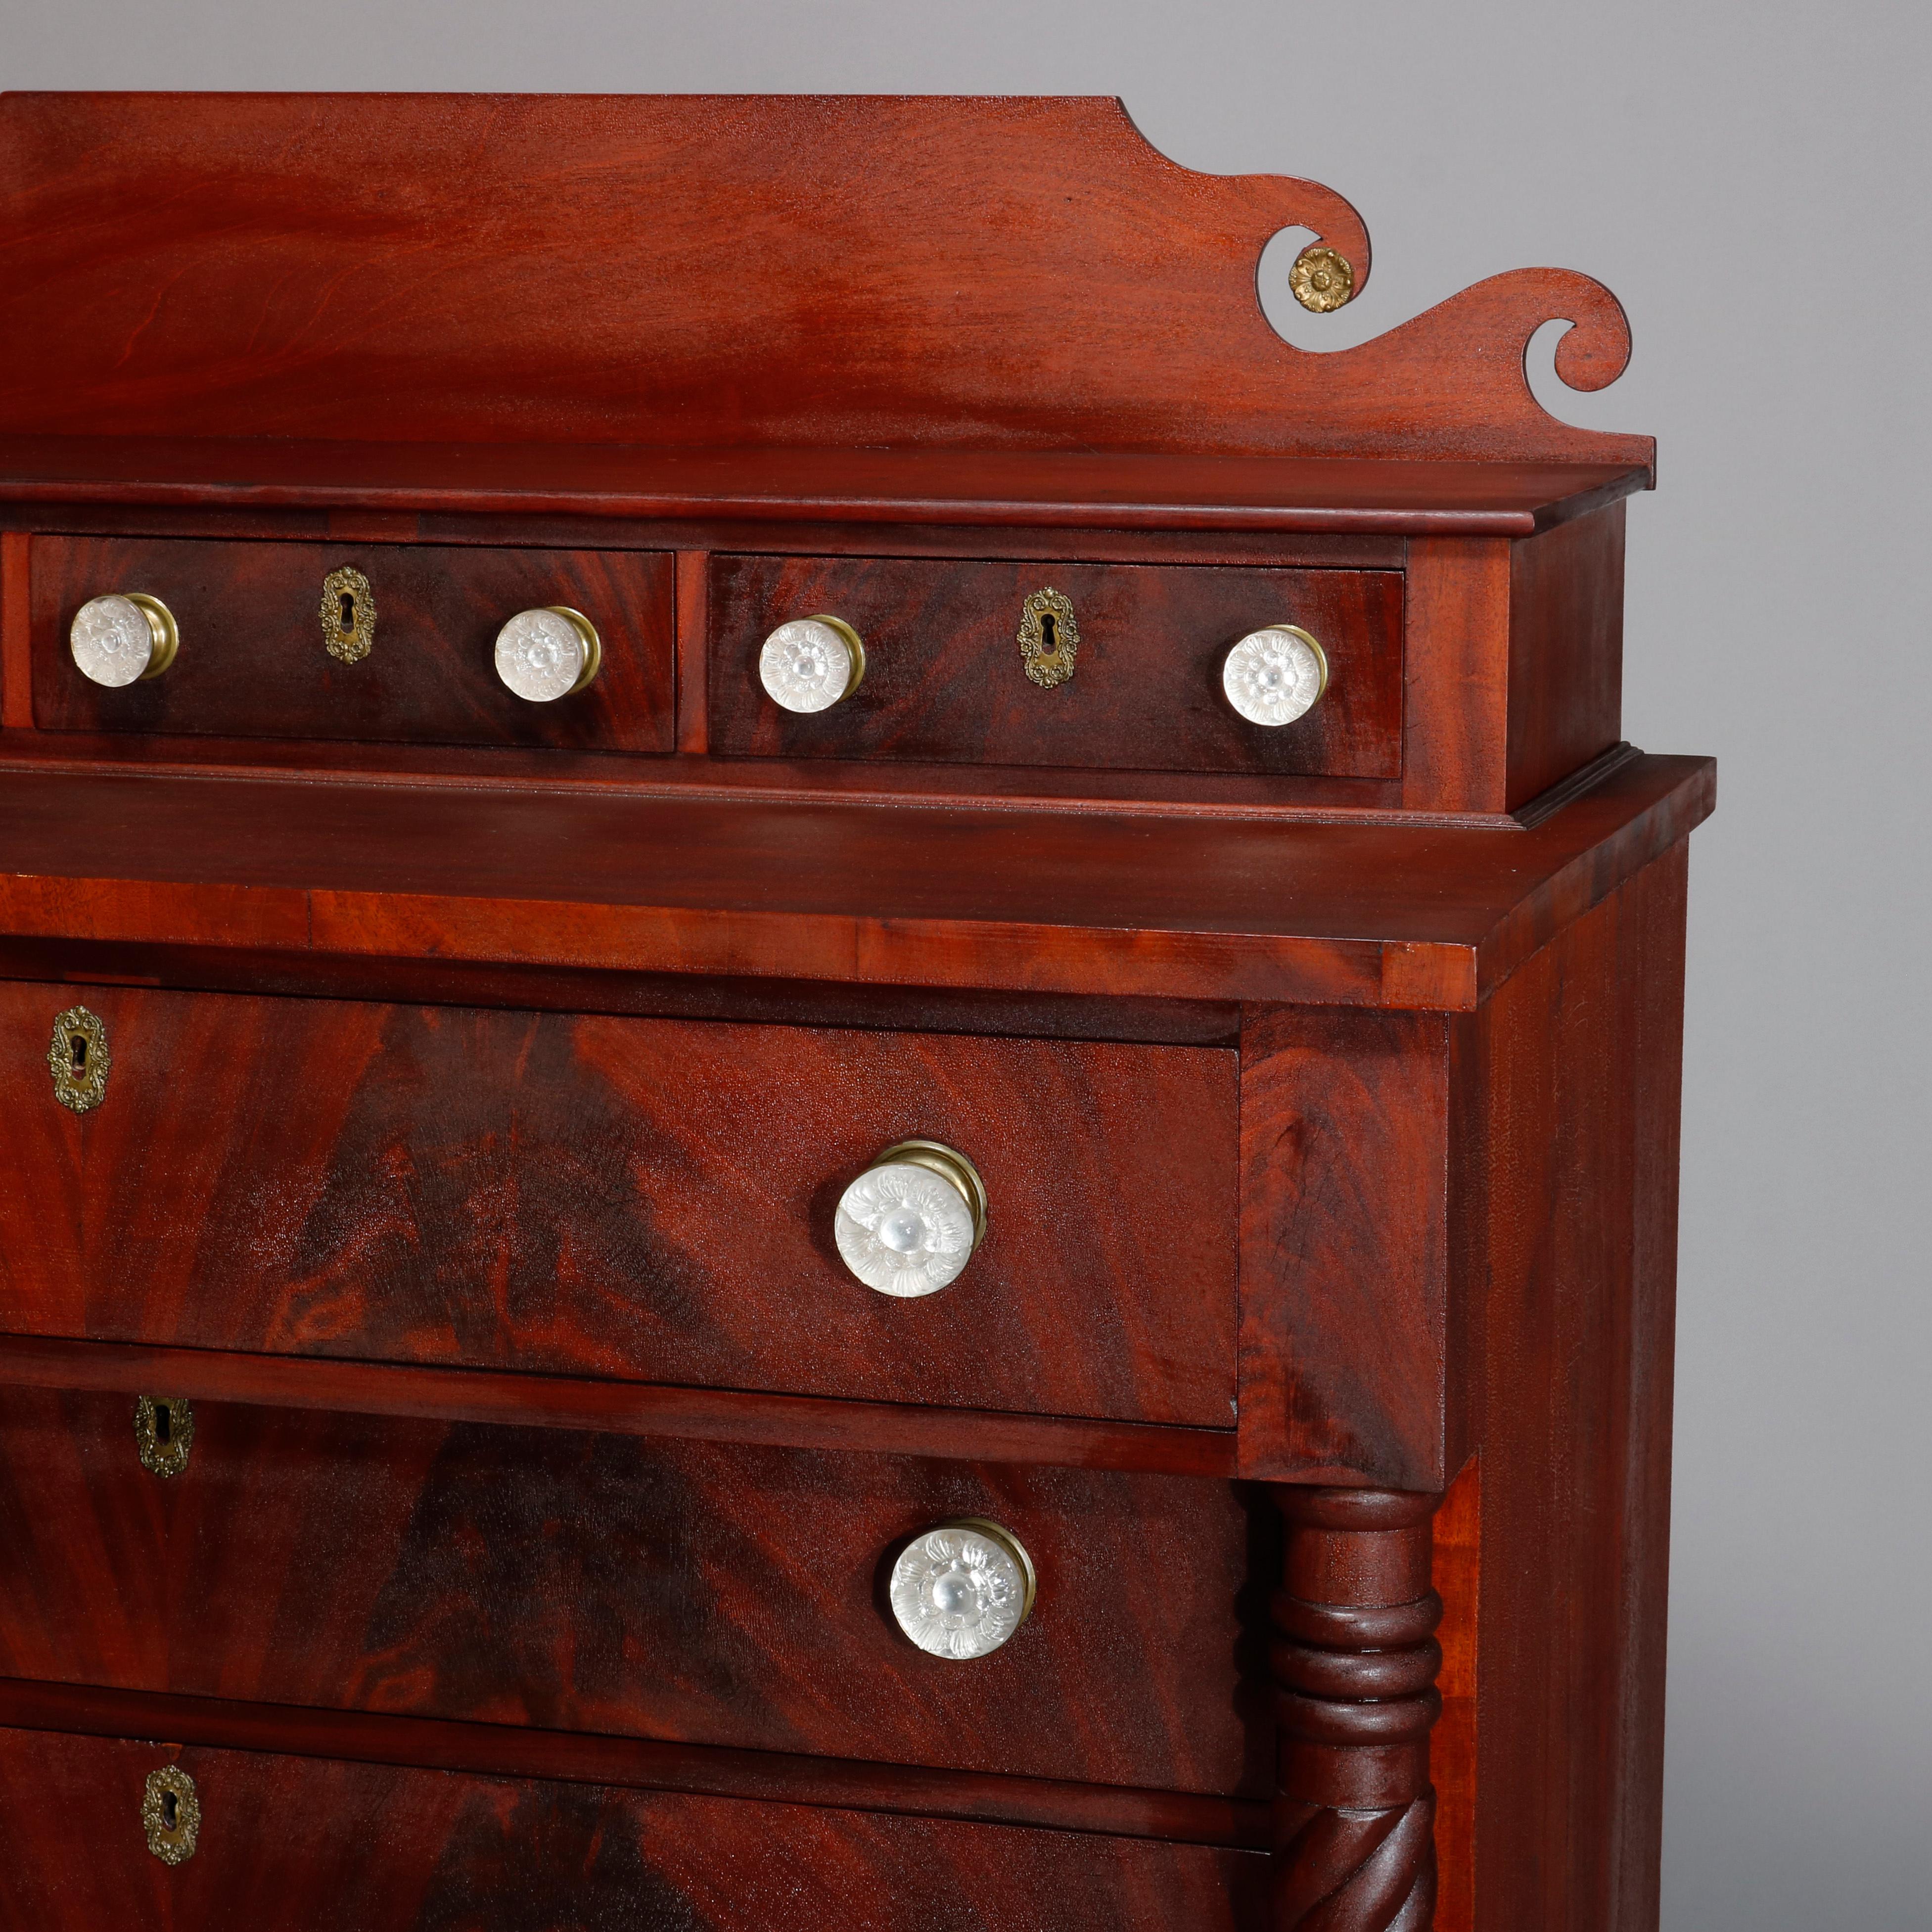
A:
{"points": [[1135, 652], [382, 642], [296, 1844], [656, 1200], [708, 1593]]}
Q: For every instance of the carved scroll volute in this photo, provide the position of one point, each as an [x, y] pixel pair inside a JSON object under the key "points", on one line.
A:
{"points": [[1354, 1662]]}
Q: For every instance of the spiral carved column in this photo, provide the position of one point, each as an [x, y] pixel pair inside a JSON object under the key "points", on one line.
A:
{"points": [[1354, 1661]]}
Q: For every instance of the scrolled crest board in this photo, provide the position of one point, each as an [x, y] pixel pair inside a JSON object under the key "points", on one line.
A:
{"points": [[681, 270]]}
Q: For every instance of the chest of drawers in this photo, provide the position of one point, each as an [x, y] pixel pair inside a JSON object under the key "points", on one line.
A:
{"points": [[840, 1052]]}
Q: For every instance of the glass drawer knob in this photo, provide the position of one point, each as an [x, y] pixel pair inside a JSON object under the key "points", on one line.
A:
{"points": [[812, 664], [1274, 676], [962, 1588], [545, 655], [909, 1223], [121, 639]]}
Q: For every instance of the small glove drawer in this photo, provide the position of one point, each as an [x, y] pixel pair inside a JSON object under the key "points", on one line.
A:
{"points": [[305, 1844], [782, 1600], [405, 643], [1043, 1226], [1113, 666]]}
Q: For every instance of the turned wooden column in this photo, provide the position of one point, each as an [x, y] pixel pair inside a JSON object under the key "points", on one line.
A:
{"points": [[1354, 1661]]}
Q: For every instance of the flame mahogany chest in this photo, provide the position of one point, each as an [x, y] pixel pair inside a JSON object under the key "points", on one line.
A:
{"points": [[840, 1051]]}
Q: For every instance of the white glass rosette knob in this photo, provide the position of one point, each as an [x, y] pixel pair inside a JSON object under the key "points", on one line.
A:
{"points": [[1274, 676], [910, 1221], [121, 639], [812, 664], [545, 655], [963, 1588]]}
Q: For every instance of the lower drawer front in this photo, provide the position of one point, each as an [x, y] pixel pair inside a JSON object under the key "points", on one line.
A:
{"points": [[653, 1199], [290, 1844], [714, 1594]]}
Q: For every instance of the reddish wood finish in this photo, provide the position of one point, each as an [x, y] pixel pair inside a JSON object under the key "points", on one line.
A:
{"points": [[537, 1065], [645, 1764], [1566, 632], [944, 678], [796, 269], [650, 1199], [292, 1844], [648, 995], [1571, 1182], [694, 603], [1109, 497], [253, 661], [1354, 1662], [1154, 905], [17, 707], [628, 1408], [1455, 619], [1456, 1569], [698, 1592], [1344, 1366]]}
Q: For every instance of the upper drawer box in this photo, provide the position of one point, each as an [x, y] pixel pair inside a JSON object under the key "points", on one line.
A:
{"points": [[652, 1199], [945, 680], [254, 661]]}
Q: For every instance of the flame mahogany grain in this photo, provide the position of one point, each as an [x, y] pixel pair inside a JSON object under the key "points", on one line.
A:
{"points": [[944, 680], [699, 1592], [651, 1199], [252, 662], [646, 1764], [1327, 1082], [301, 1844], [1346, 1312]]}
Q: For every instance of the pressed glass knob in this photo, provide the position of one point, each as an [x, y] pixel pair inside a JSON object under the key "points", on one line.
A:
{"points": [[121, 639], [548, 654], [910, 1221], [962, 1588], [812, 664], [1274, 676]]}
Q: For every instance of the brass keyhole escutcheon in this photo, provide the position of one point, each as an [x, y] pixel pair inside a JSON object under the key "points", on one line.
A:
{"points": [[348, 615], [1049, 638], [171, 1815], [79, 1060], [163, 1433]]}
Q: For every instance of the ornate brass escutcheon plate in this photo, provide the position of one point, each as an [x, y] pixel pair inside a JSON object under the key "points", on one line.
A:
{"points": [[348, 615], [79, 1059], [1049, 638], [163, 1433], [171, 1815]]}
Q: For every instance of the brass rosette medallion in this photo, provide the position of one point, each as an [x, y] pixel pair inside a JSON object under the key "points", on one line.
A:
{"points": [[1049, 638], [79, 1059], [171, 1815], [1321, 278], [348, 615], [163, 1433]]}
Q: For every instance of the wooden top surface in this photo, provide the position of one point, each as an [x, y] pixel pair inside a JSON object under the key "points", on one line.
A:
{"points": [[791, 270], [1212, 907], [1046, 488]]}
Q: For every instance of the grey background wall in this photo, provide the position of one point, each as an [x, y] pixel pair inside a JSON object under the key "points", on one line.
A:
{"points": [[1751, 179]]}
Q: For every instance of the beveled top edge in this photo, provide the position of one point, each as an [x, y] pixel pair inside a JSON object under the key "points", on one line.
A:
{"points": [[1119, 489]]}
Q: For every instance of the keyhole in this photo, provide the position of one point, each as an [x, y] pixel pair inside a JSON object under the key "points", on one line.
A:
{"points": [[1048, 644], [77, 1047], [170, 1810], [164, 1424], [348, 611]]}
